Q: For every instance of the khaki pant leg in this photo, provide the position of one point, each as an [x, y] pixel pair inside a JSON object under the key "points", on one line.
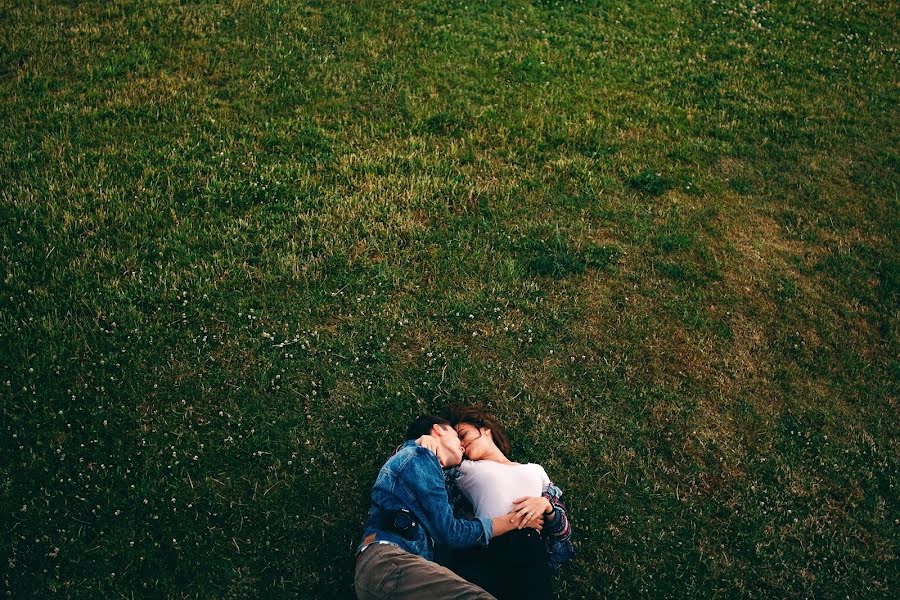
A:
{"points": [[387, 572]]}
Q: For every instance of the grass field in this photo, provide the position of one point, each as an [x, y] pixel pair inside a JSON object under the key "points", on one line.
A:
{"points": [[243, 243]]}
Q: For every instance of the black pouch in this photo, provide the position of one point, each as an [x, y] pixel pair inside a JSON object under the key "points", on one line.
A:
{"points": [[402, 522]]}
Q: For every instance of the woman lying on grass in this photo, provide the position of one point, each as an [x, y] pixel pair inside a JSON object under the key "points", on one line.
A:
{"points": [[521, 563]]}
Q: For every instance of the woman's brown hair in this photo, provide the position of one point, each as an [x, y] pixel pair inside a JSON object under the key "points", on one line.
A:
{"points": [[478, 417]]}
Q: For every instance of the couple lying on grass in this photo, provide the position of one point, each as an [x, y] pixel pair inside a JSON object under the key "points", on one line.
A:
{"points": [[518, 536]]}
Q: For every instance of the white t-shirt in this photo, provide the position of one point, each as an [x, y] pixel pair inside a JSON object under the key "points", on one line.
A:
{"points": [[491, 487]]}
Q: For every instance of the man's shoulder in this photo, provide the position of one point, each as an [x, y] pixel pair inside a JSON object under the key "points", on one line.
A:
{"points": [[411, 453]]}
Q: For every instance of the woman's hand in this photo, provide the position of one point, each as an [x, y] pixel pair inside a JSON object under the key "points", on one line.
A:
{"points": [[530, 509], [429, 442], [512, 518]]}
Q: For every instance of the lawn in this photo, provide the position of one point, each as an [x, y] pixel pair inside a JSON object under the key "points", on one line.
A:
{"points": [[243, 243]]}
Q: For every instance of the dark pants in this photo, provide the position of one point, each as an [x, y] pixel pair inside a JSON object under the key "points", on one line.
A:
{"points": [[512, 566], [384, 571]]}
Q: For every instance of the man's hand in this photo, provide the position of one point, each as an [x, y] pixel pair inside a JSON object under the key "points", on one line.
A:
{"points": [[530, 509], [429, 442]]}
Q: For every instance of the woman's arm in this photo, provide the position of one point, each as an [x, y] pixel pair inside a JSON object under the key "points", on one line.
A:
{"points": [[558, 534], [556, 523], [548, 506]]}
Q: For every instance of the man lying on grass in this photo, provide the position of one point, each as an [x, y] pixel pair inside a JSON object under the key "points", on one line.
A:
{"points": [[410, 512]]}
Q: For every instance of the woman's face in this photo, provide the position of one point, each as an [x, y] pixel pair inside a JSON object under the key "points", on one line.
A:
{"points": [[476, 441]]}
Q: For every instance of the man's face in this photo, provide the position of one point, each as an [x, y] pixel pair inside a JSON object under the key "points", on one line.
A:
{"points": [[450, 451]]}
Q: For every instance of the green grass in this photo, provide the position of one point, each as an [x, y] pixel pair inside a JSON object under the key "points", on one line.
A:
{"points": [[243, 243]]}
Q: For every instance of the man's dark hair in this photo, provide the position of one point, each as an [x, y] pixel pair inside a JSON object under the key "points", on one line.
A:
{"points": [[423, 425]]}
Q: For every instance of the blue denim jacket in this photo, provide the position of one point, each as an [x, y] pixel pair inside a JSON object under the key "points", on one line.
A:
{"points": [[413, 479]]}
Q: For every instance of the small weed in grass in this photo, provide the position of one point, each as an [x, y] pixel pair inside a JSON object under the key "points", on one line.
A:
{"points": [[651, 183], [445, 124], [557, 256]]}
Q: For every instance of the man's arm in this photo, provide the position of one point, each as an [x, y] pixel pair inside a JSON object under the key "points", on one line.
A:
{"points": [[503, 524], [422, 482]]}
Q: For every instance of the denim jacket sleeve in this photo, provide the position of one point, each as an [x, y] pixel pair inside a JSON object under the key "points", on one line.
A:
{"points": [[422, 481]]}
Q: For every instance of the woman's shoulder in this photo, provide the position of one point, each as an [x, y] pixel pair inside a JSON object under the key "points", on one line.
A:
{"points": [[532, 465], [540, 470], [468, 466], [478, 466]]}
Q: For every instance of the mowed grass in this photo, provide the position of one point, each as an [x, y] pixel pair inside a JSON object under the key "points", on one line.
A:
{"points": [[243, 243]]}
